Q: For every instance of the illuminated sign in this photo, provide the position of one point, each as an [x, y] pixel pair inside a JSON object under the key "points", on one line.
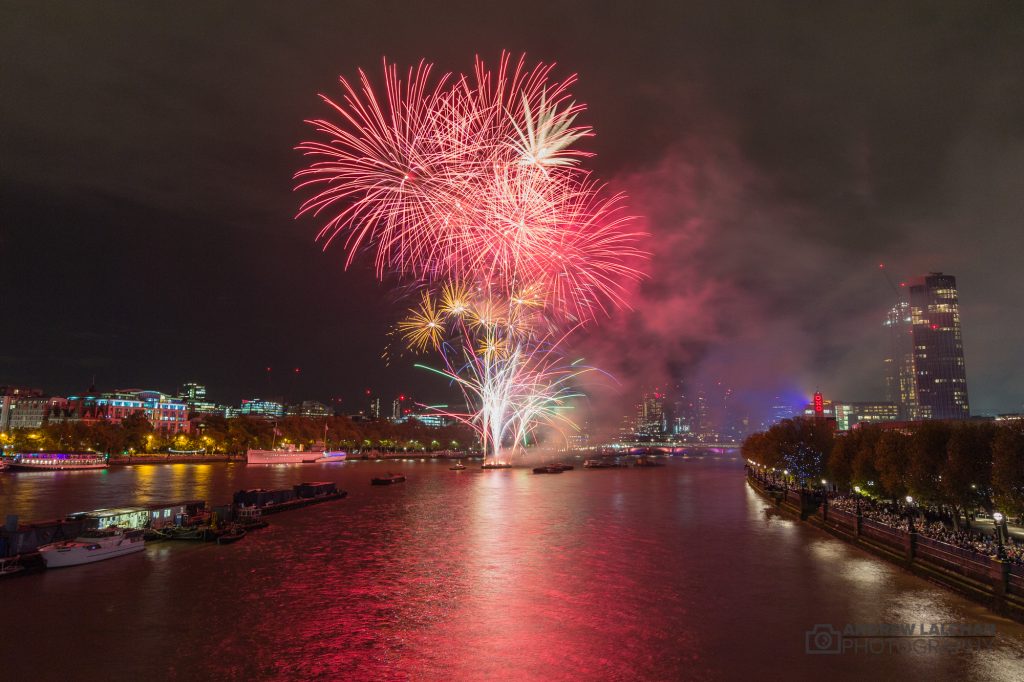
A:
{"points": [[819, 404]]}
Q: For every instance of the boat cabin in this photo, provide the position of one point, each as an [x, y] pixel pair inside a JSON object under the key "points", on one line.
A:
{"points": [[163, 514], [122, 517]]}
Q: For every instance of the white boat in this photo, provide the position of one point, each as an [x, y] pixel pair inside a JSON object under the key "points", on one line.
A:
{"points": [[53, 461], [93, 545], [286, 455], [334, 456]]}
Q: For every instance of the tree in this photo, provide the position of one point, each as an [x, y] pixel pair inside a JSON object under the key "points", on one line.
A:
{"points": [[108, 438], [1008, 469], [840, 460], [927, 457], [892, 460], [804, 444], [246, 432], [137, 432], [967, 471]]}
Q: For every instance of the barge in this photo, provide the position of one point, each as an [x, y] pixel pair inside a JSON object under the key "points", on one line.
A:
{"points": [[57, 461]]}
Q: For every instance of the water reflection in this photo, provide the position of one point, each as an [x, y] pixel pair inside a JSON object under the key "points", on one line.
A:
{"points": [[670, 573]]}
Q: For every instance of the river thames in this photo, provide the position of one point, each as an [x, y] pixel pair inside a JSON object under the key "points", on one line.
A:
{"points": [[674, 573]]}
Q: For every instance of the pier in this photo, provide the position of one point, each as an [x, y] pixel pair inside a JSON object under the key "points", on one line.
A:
{"points": [[185, 520]]}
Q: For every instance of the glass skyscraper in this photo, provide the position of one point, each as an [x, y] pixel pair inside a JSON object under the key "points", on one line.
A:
{"points": [[926, 376]]}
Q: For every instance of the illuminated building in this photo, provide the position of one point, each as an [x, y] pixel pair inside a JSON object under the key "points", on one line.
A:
{"points": [[309, 408], [194, 397], [900, 376], [261, 408], [819, 407], [193, 392], [849, 415], [164, 412], [938, 348], [650, 414], [27, 411], [925, 373], [431, 419]]}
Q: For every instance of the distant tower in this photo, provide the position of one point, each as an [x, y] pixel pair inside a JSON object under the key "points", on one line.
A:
{"points": [[900, 375], [650, 414], [925, 373], [938, 348]]}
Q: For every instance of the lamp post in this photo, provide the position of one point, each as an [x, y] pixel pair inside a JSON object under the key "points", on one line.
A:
{"points": [[1000, 550], [856, 489], [910, 513]]}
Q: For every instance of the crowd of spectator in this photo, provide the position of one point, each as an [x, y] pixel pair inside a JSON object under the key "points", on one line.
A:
{"points": [[931, 523]]}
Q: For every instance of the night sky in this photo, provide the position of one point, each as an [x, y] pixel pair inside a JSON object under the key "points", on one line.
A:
{"points": [[777, 152]]}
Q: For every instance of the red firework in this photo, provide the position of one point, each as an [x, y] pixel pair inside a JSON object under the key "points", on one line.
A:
{"points": [[469, 179]]}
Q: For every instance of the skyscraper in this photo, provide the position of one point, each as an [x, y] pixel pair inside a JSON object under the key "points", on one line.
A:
{"points": [[900, 375], [926, 376], [938, 348], [650, 414]]}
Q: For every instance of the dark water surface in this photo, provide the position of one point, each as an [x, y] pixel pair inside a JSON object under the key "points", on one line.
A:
{"points": [[674, 573]]}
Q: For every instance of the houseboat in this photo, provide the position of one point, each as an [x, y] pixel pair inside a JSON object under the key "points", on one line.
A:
{"points": [[53, 461]]}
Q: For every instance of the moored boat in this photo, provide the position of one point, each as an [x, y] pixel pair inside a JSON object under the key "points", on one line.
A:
{"points": [[232, 534], [93, 545], [387, 480], [58, 461], [288, 454], [604, 464], [496, 465], [458, 466], [551, 469], [334, 456]]}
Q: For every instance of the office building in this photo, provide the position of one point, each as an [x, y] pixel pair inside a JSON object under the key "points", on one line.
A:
{"points": [[926, 377]]}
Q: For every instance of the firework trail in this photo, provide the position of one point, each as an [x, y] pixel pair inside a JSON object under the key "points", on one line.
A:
{"points": [[471, 188]]}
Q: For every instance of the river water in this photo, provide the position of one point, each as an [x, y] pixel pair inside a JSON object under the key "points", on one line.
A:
{"points": [[674, 573]]}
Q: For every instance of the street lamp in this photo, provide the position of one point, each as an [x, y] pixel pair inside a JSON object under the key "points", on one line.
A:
{"points": [[1000, 551], [910, 513]]}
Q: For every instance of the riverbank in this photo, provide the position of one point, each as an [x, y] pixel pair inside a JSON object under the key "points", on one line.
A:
{"points": [[991, 582], [165, 458], [173, 459]]}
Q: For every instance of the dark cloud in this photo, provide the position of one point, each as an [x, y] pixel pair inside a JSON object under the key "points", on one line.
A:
{"points": [[777, 150]]}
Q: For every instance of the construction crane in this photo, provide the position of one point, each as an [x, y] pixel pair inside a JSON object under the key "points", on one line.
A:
{"points": [[892, 284]]}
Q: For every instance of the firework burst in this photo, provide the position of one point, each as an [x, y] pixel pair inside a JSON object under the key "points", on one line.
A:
{"points": [[471, 186]]}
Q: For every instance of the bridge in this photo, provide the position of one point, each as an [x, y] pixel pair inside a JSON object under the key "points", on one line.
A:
{"points": [[667, 448]]}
